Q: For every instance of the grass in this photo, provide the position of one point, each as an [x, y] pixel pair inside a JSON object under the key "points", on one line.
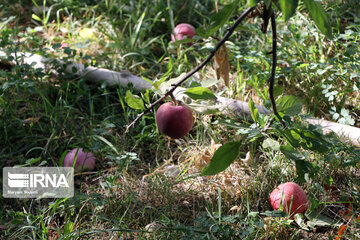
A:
{"points": [[134, 193]]}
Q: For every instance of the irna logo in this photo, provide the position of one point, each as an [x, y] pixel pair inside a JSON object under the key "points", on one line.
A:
{"points": [[38, 182]]}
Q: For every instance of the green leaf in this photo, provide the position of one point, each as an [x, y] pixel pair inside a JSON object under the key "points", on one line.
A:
{"points": [[302, 166], [165, 86], [134, 101], [254, 111], [34, 16], [107, 142], [253, 214], [292, 137], [314, 141], [218, 20], [146, 96], [5, 21], [318, 220], [32, 161], [288, 8], [200, 93], [195, 84], [278, 90], [291, 153], [252, 3], [222, 158], [68, 228], [62, 158], [275, 213], [204, 107], [272, 144], [300, 220], [306, 137], [289, 105], [318, 14]]}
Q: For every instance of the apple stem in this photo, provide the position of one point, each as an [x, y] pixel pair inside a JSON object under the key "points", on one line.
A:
{"points": [[173, 98]]}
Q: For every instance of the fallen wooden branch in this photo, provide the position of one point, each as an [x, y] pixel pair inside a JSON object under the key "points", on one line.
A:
{"points": [[240, 108], [92, 74], [343, 131], [226, 105]]}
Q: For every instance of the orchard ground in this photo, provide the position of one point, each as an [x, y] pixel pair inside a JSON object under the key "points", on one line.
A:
{"points": [[146, 185]]}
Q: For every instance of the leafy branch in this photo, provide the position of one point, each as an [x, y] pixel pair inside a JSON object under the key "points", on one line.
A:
{"points": [[197, 68], [288, 8]]}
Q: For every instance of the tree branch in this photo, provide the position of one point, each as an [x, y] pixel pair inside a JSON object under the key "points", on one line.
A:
{"points": [[273, 69], [197, 68]]}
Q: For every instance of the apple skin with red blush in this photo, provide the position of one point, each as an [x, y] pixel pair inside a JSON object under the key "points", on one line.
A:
{"points": [[85, 161], [181, 30], [174, 121], [295, 200]]}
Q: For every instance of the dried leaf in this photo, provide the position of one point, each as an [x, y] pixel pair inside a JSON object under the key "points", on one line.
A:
{"points": [[204, 159], [221, 64], [235, 209], [248, 159], [31, 120]]}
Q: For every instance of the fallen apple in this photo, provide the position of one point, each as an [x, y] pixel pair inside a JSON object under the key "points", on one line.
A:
{"points": [[181, 30], [85, 161], [294, 198], [174, 121]]}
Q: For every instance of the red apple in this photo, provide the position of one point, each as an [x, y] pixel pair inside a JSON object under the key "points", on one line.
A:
{"points": [[174, 121], [181, 30], [85, 161], [294, 197]]}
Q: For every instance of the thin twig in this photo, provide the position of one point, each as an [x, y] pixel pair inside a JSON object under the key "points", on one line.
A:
{"points": [[197, 68], [273, 69]]}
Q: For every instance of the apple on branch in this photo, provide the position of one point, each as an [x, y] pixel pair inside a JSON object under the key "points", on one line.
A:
{"points": [[174, 121]]}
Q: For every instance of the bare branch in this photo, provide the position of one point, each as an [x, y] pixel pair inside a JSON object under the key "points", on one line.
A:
{"points": [[273, 69]]}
